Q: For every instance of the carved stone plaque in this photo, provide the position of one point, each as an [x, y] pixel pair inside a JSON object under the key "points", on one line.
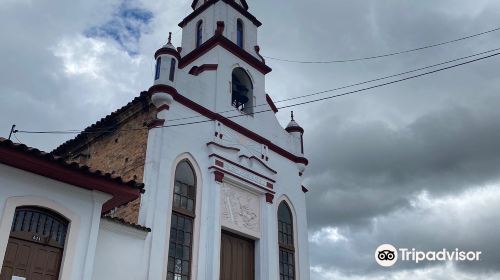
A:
{"points": [[240, 210]]}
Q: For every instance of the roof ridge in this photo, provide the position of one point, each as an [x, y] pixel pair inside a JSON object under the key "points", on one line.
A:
{"points": [[99, 124]]}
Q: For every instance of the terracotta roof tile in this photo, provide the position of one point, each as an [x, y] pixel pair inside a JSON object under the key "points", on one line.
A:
{"points": [[106, 123], [123, 222], [86, 170]]}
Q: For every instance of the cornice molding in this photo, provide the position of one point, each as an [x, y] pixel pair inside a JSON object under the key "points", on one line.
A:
{"points": [[221, 40], [227, 122]]}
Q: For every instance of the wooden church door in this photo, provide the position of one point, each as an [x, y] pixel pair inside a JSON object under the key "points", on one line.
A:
{"points": [[237, 257], [35, 246]]}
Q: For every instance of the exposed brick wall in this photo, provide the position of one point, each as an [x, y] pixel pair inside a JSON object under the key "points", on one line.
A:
{"points": [[122, 152]]}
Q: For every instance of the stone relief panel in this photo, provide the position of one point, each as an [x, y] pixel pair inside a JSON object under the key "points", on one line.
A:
{"points": [[240, 210]]}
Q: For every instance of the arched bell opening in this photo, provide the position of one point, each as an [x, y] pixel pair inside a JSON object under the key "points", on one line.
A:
{"points": [[242, 91]]}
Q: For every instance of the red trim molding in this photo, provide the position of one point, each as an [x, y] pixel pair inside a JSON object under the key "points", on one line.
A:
{"points": [[163, 107], [295, 129], [242, 167], [169, 51], [221, 172], [221, 40], [219, 163], [271, 103], [156, 123], [304, 189], [219, 176], [242, 10], [227, 122], [269, 198], [120, 192], [197, 70], [243, 2], [257, 50], [261, 162]]}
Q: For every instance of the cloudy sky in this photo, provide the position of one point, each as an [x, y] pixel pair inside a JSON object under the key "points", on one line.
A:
{"points": [[415, 164]]}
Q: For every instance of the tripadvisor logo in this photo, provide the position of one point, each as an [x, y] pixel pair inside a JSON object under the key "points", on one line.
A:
{"points": [[387, 255]]}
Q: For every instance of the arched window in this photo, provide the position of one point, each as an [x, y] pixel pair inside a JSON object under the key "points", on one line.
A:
{"points": [[199, 33], [242, 91], [158, 67], [181, 228], [239, 33], [172, 70], [286, 242]]}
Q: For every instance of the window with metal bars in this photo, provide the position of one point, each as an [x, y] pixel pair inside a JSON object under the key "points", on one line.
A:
{"points": [[39, 225], [182, 223], [286, 242]]}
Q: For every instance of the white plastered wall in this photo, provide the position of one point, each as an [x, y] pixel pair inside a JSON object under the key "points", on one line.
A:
{"points": [[219, 12], [211, 89], [119, 252], [81, 207]]}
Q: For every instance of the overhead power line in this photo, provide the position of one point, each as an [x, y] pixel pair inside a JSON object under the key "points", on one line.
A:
{"points": [[352, 85], [382, 55], [286, 106], [73, 131]]}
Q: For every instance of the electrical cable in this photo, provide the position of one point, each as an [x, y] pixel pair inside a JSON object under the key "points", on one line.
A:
{"points": [[353, 85], [316, 93], [383, 55], [291, 105]]}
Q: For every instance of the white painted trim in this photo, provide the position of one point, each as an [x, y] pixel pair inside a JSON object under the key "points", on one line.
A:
{"points": [[98, 199], [252, 79], [197, 219], [236, 182], [295, 234], [69, 253]]}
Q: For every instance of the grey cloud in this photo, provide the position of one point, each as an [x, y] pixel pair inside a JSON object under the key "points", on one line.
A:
{"points": [[371, 154], [368, 169], [466, 221]]}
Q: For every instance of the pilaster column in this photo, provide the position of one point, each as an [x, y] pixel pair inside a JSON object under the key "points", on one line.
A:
{"points": [[212, 228], [155, 201]]}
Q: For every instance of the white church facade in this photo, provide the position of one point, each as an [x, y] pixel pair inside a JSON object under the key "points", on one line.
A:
{"points": [[199, 179]]}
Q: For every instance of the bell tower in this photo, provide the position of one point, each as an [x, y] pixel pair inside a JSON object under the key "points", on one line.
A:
{"points": [[221, 37], [224, 195]]}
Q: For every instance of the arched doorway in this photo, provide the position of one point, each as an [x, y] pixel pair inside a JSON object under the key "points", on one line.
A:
{"points": [[36, 244]]}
